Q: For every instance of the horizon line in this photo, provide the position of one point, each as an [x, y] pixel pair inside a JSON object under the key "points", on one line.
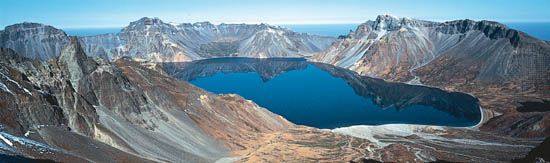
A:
{"points": [[273, 24]]}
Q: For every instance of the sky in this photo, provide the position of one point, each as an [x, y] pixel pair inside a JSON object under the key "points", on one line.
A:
{"points": [[118, 13]]}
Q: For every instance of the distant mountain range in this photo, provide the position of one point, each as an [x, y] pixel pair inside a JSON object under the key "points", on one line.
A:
{"points": [[152, 39]]}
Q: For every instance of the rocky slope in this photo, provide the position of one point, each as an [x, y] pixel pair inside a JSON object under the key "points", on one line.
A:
{"points": [[54, 108], [501, 66], [153, 39], [81, 109]]}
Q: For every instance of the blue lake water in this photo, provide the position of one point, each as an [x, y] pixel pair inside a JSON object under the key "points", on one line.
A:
{"points": [[324, 96]]}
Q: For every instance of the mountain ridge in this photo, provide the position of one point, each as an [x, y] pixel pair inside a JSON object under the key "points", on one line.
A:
{"points": [[153, 39]]}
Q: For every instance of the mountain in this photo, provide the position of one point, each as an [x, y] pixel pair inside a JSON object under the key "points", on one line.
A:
{"points": [[153, 39], [82, 99], [77, 108], [33, 40], [401, 49], [502, 67], [121, 109]]}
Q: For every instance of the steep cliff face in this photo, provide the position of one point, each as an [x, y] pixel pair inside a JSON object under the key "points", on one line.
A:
{"points": [[136, 111], [33, 40]]}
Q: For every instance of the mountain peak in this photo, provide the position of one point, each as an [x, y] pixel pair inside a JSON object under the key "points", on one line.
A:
{"points": [[146, 21], [33, 40], [391, 23], [386, 17], [147, 24], [149, 21], [387, 22], [204, 23], [73, 50], [77, 63], [30, 26]]}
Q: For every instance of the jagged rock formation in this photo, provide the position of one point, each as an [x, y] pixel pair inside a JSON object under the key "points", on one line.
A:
{"points": [[501, 66], [124, 108], [153, 39]]}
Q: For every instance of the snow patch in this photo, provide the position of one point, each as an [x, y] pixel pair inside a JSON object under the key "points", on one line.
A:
{"points": [[6, 140], [10, 139], [27, 133], [16, 83], [228, 159], [5, 88]]}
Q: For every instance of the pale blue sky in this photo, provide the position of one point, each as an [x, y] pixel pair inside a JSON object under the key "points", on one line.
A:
{"points": [[117, 13]]}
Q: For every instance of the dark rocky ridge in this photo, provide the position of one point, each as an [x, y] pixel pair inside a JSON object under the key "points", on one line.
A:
{"points": [[493, 30]]}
